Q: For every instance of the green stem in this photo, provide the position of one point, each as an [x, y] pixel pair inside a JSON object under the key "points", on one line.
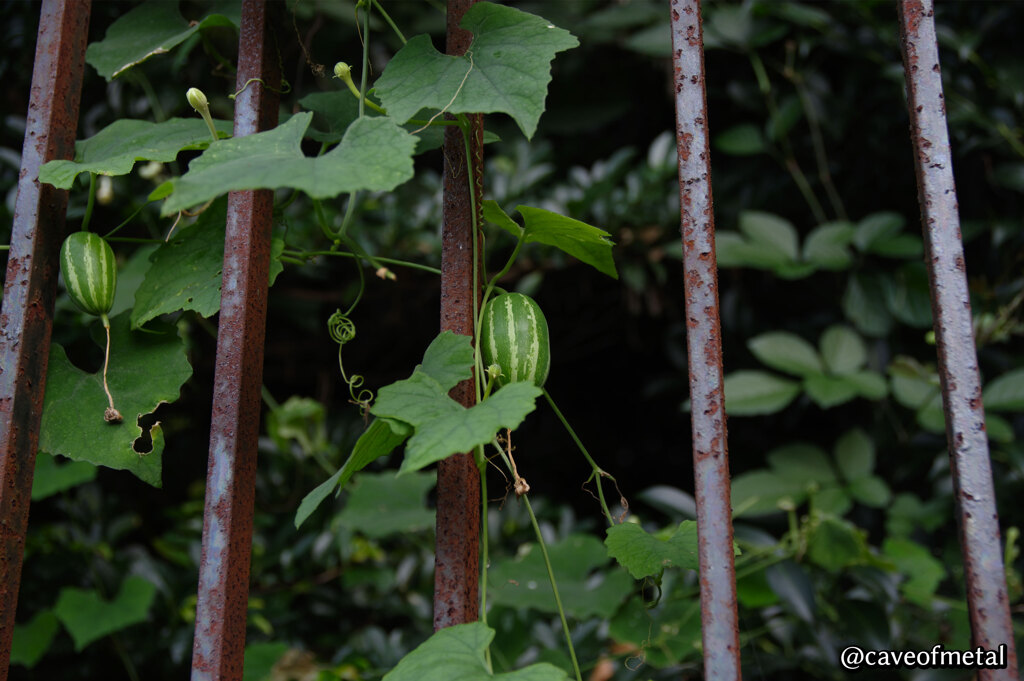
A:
{"points": [[343, 254], [380, 8], [90, 203], [366, 61], [554, 586], [597, 471], [349, 213], [789, 159], [820, 155]]}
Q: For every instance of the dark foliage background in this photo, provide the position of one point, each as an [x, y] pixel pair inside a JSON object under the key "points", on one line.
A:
{"points": [[829, 107]]}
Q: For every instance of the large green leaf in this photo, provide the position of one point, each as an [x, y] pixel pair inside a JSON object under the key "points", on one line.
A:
{"points": [[152, 28], [448, 359], [381, 504], [464, 429], [88, 617], [374, 154], [646, 555], [73, 424], [378, 440], [524, 583], [834, 543], [458, 654], [115, 149], [506, 69], [185, 273], [787, 352]]}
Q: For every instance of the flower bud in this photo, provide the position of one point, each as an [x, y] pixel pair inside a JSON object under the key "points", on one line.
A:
{"points": [[197, 99], [342, 70]]}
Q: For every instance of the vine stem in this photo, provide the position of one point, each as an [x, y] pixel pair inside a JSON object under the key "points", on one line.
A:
{"points": [[343, 254], [111, 415], [597, 472], [90, 203], [391, 23], [554, 587]]}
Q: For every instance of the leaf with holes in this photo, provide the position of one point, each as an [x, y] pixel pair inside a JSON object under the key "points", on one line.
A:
{"points": [[375, 154], [72, 423], [186, 271], [506, 69], [115, 149]]}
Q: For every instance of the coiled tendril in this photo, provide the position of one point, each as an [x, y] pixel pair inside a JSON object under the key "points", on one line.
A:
{"points": [[342, 330]]}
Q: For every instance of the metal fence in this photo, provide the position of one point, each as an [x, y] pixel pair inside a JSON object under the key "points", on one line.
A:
{"points": [[30, 289]]}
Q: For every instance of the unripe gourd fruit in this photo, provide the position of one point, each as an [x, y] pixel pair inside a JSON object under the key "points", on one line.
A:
{"points": [[90, 274], [514, 335]]}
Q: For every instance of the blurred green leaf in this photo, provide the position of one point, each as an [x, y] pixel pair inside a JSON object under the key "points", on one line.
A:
{"points": [[864, 304], [1005, 393], [760, 492], [803, 463], [523, 582], [51, 478], [835, 543], [794, 587], [152, 28], [749, 393], [260, 659], [855, 454], [827, 246], [786, 352], [770, 232], [924, 572], [740, 140], [842, 350], [381, 504], [829, 391], [33, 638], [88, 617]]}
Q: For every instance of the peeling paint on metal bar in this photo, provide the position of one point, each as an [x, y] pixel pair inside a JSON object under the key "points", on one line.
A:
{"points": [[30, 286], [719, 622], [958, 362]]}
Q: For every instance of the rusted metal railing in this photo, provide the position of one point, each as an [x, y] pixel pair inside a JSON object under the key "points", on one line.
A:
{"points": [[958, 360], [219, 648], [457, 554], [719, 619], [30, 286]]}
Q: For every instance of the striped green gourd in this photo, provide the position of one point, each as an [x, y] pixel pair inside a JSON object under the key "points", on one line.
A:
{"points": [[514, 335], [90, 272]]}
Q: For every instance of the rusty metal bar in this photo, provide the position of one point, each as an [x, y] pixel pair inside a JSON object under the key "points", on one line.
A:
{"points": [[720, 628], [457, 554], [30, 286], [219, 647], [958, 361]]}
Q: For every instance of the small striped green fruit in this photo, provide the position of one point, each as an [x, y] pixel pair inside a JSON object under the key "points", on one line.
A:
{"points": [[90, 272], [514, 335]]}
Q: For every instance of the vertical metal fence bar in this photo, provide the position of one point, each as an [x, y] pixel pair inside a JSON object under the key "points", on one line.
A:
{"points": [[958, 362], [30, 286], [219, 647], [720, 629], [457, 554]]}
